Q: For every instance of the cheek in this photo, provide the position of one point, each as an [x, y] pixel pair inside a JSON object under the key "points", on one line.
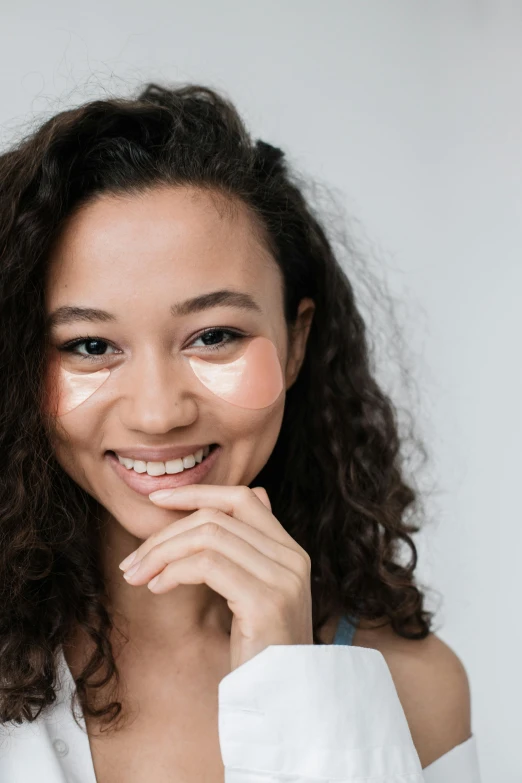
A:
{"points": [[71, 437], [253, 381], [249, 437]]}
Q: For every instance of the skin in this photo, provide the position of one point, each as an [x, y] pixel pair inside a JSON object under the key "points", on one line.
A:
{"points": [[134, 257]]}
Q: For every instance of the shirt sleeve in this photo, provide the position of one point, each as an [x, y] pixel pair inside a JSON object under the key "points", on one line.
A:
{"points": [[322, 714], [312, 713]]}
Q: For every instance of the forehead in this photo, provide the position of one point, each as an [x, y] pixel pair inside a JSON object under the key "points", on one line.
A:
{"points": [[174, 241]]}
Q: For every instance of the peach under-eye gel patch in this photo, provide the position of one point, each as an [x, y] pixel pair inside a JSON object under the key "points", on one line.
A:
{"points": [[76, 388], [253, 380], [73, 388]]}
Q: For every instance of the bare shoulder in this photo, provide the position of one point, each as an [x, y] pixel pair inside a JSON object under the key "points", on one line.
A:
{"points": [[433, 688]]}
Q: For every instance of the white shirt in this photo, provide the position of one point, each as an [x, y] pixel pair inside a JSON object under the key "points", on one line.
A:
{"points": [[291, 714]]}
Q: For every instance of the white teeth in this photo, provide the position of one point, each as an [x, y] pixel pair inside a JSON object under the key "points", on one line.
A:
{"points": [[170, 467], [155, 468], [174, 466]]}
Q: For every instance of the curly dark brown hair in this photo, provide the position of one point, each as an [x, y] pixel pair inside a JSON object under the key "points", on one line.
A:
{"points": [[336, 476]]}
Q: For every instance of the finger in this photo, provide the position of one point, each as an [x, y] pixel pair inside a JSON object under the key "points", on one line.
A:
{"points": [[237, 501], [211, 519], [213, 538], [251, 601], [242, 591], [199, 517]]}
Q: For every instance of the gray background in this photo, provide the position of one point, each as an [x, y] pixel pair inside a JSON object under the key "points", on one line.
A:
{"points": [[411, 114]]}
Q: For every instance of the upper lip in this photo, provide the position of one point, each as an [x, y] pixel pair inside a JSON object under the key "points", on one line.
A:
{"points": [[159, 454]]}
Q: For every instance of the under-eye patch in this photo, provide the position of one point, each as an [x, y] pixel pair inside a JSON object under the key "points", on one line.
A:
{"points": [[75, 388], [252, 380]]}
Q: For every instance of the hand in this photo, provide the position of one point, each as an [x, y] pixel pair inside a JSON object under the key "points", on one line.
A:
{"points": [[235, 545]]}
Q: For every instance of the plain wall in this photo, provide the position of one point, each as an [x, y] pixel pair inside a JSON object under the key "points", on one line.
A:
{"points": [[412, 114]]}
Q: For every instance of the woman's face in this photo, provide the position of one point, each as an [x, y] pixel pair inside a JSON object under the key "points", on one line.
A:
{"points": [[156, 381]]}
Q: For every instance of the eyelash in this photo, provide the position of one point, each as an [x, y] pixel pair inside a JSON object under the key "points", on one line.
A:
{"points": [[70, 346]]}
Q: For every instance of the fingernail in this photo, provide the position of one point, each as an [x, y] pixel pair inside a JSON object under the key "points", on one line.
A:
{"points": [[128, 561], [160, 494], [128, 574]]}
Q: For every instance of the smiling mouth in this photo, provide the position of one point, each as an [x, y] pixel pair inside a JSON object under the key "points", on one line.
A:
{"points": [[144, 483], [156, 468]]}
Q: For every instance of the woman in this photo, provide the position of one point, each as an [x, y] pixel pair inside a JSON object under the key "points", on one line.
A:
{"points": [[173, 319]]}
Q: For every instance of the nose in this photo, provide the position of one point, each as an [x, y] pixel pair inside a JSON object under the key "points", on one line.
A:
{"points": [[158, 395]]}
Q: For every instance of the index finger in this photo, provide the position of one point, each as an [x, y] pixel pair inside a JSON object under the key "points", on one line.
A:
{"points": [[240, 502]]}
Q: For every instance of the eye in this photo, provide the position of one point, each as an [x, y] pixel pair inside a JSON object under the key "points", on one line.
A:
{"points": [[218, 344], [94, 344], [96, 348]]}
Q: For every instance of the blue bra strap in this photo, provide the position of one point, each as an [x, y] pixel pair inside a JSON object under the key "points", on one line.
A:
{"points": [[345, 630]]}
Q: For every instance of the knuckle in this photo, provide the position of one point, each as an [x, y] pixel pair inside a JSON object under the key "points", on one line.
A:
{"points": [[211, 529], [295, 585], [244, 493], [306, 561], [301, 563], [208, 560]]}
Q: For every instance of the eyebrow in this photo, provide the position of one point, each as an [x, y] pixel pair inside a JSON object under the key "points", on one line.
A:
{"points": [[225, 297]]}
